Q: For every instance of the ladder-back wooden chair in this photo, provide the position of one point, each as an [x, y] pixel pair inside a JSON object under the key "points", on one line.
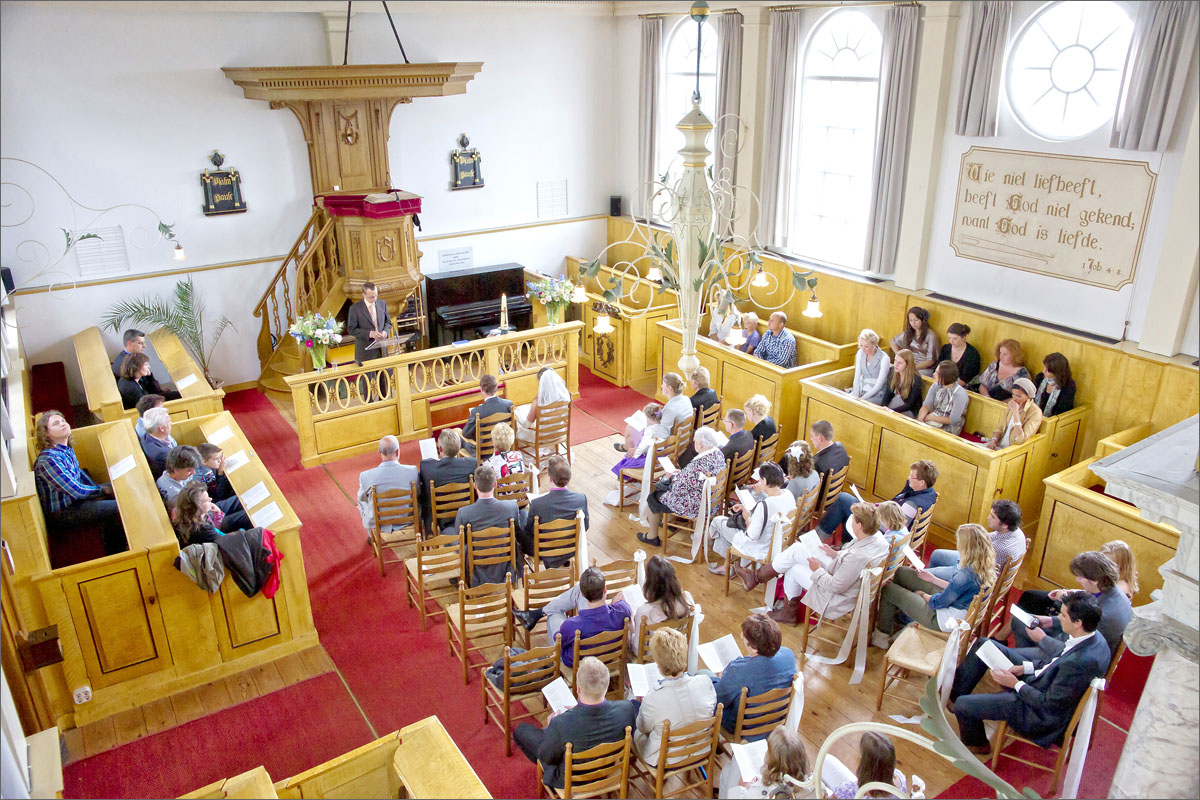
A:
{"points": [[446, 500], [538, 589], [682, 528], [840, 624], [397, 509], [489, 547], [515, 486], [484, 448], [682, 432], [688, 753], [741, 468], [524, 677], [611, 647], [438, 561], [595, 772], [779, 528], [641, 647], [833, 487], [759, 715], [481, 618], [555, 541], [551, 431], [710, 417], [999, 604], [629, 481], [806, 508], [618, 574], [920, 528], [764, 448]]}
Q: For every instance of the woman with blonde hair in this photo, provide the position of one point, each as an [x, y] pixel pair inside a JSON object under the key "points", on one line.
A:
{"points": [[930, 601], [1122, 556], [997, 380], [786, 755], [749, 332], [870, 368], [892, 522], [505, 461], [801, 469], [758, 409], [905, 390], [678, 697]]}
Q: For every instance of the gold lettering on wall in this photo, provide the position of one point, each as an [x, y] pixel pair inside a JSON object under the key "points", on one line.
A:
{"points": [[1071, 217]]}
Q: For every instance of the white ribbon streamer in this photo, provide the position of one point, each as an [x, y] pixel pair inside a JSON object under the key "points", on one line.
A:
{"points": [[1083, 737], [796, 707], [857, 632], [581, 549], [694, 639], [776, 549], [945, 677], [700, 528]]}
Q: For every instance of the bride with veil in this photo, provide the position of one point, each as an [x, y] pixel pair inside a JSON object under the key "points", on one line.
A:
{"points": [[551, 389]]}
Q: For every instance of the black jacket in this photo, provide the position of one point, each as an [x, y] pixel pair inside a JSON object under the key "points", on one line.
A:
{"points": [[245, 559], [584, 727], [703, 399], [554, 505], [739, 444], [912, 403], [490, 406], [439, 472]]}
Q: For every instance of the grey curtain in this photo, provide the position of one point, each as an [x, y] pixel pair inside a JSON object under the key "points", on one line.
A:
{"points": [[648, 92], [727, 138], [979, 91], [892, 130], [1156, 69], [783, 59]]}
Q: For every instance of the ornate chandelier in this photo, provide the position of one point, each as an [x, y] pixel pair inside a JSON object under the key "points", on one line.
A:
{"points": [[703, 260]]}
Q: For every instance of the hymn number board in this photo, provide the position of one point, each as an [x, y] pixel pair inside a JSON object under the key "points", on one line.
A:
{"points": [[222, 192]]}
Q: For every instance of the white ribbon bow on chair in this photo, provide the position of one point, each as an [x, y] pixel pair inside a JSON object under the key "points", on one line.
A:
{"points": [[776, 548], [857, 632], [949, 663], [1083, 737]]}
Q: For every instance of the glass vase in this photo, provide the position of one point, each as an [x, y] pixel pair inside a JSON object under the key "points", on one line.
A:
{"points": [[554, 312], [318, 357]]}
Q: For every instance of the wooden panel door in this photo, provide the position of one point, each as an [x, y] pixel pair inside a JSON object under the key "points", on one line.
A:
{"points": [[115, 613], [246, 624]]}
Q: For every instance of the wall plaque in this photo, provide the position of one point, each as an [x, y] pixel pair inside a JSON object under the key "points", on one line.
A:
{"points": [[1077, 218], [464, 163], [222, 189]]}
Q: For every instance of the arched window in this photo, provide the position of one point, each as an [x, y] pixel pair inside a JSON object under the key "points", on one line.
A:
{"points": [[679, 81], [1064, 71], [835, 140]]}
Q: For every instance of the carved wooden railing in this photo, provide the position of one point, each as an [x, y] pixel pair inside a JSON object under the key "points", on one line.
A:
{"points": [[344, 411], [314, 266]]}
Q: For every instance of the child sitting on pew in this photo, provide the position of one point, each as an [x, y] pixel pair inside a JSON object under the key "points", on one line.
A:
{"points": [[182, 464], [211, 472]]}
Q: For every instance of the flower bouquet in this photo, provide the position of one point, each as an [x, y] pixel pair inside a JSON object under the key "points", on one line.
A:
{"points": [[316, 332], [554, 294]]}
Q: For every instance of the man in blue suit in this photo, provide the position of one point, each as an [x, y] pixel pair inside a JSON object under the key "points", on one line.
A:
{"points": [[1044, 693]]}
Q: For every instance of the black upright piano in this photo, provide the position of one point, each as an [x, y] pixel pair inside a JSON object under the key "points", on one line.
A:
{"points": [[466, 302]]}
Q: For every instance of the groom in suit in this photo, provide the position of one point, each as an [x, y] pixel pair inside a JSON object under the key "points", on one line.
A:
{"points": [[368, 321]]}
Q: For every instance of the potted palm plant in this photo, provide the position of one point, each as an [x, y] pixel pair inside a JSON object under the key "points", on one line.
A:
{"points": [[184, 318]]}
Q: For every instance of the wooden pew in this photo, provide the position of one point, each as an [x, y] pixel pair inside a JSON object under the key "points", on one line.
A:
{"points": [[251, 783], [367, 772], [132, 627], [883, 445], [431, 765], [100, 387], [735, 375], [1075, 518], [1122, 439]]}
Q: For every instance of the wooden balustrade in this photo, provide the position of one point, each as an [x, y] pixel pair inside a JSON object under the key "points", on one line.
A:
{"points": [[344, 411]]}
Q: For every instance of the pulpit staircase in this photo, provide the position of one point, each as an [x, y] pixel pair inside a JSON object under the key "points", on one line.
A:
{"points": [[310, 279]]}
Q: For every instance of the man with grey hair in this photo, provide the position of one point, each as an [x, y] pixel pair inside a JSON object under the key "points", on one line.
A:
{"points": [[777, 345], [389, 475], [595, 720], [449, 468], [158, 443]]}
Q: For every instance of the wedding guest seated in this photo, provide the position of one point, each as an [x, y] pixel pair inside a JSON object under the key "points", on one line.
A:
{"points": [[740, 441], [828, 456], [388, 476], [876, 764], [596, 616], [179, 471], [931, 602], [830, 583], [800, 468], [892, 522], [945, 406], [158, 442], [492, 404], [1097, 575], [679, 698], [1008, 541], [1021, 419], [767, 665], [681, 491], [997, 380], [135, 343], [703, 395], [870, 368], [448, 468], [192, 514], [723, 316], [918, 337], [68, 495], [144, 404], [1055, 391], [962, 353], [665, 598], [1122, 556], [551, 389], [777, 345], [677, 409], [594, 721], [785, 756], [916, 496], [904, 388], [635, 454], [749, 530], [135, 367], [557, 503], [1039, 696], [750, 332], [488, 512], [505, 460], [758, 410]]}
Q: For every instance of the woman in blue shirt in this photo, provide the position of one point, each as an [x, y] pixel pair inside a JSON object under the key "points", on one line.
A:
{"points": [[935, 603], [767, 666]]}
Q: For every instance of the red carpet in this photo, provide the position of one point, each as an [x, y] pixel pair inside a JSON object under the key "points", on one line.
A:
{"points": [[281, 731], [608, 403]]}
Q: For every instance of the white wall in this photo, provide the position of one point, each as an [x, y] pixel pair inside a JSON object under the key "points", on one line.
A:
{"points": [[1191, 336], [123, 104]]}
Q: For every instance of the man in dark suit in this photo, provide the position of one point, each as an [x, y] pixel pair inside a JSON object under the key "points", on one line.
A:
{"points": [[558, 503], [594, 721], [488, 512], [440, 471], [740, 440], [1098, 575], [134, 341], [491, 405], [366, 322], [1044, 692], [828, 455]]}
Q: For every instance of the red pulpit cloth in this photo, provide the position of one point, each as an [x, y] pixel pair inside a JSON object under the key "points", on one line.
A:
{"points": [[394, 203]]}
